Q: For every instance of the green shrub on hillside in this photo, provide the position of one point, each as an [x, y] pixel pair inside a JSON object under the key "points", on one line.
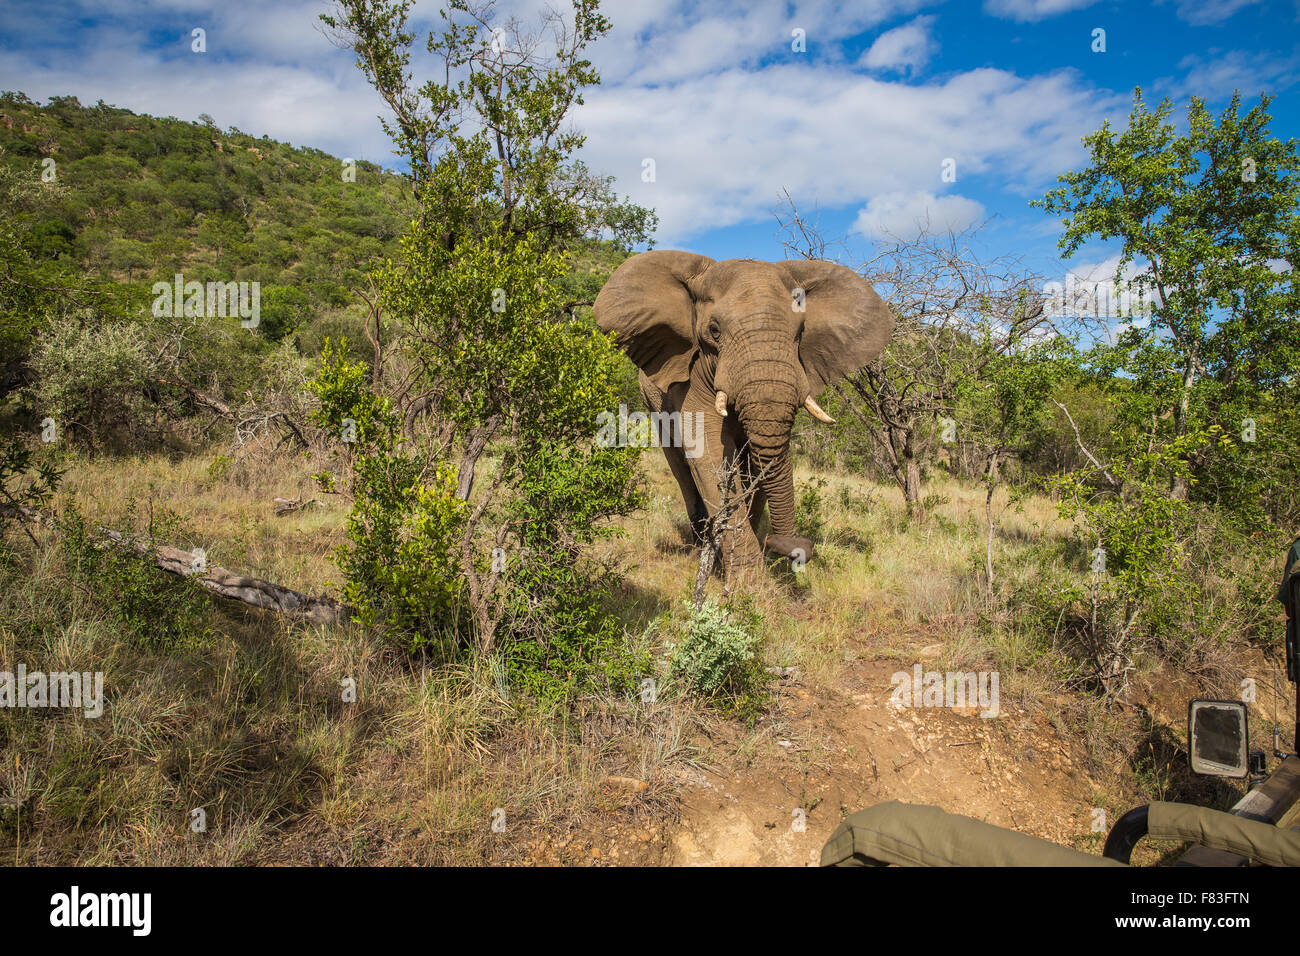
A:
{"points": [[148, 196]]}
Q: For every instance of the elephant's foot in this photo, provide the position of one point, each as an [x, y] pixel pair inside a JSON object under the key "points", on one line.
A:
{"points": [[742, 555], [744, 578], [789, 546]]}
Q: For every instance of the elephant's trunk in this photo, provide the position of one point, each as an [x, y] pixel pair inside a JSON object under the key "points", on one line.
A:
{"points": [[778, 486], [766, 403]]}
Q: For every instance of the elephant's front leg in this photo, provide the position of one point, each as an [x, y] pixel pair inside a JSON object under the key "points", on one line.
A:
{"points": [[675, 452], [713, 464]]}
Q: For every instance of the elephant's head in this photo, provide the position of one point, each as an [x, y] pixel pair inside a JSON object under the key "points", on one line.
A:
{"points": [[761, 339]]}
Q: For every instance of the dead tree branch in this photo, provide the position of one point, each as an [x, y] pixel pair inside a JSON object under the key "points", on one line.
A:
{"points": [[318, 609]]}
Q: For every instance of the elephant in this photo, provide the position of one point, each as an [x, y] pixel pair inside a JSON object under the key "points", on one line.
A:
{"points": [[738, 347]]}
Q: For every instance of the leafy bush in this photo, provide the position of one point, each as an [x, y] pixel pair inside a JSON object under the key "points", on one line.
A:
{"points": [[401, 558], [861, 503], [405, 556], [284, 309], [808, 518], [557, 631], [25, 482], [1169, 576], [720, 659], [91, 379], [153, 609], [343, 387], [563, 639], [219, 467], [336, 326]]}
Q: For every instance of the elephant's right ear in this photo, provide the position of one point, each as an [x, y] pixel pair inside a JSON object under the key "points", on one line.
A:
{"points": [[647, 304]]}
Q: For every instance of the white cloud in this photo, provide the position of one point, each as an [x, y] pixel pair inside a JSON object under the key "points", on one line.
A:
{"points": [[724, 145], [1205, 12], [1216, 76], [905, 215], [907, 47], [1031, 10], [679, 39], [729, 113]]}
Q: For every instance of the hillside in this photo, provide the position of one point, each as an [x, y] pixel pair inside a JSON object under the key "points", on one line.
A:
{"points": [[147, 197], [101, 202]]}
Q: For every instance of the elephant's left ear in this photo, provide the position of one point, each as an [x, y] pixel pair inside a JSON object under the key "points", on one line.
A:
{"points": [[649, 306], [846, 323]]}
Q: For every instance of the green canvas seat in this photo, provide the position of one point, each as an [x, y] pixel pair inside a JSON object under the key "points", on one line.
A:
{"points": [[911, 835]]}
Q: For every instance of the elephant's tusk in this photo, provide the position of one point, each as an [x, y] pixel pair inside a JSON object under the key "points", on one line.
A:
{"points": [[816, 411], [720, 403]]}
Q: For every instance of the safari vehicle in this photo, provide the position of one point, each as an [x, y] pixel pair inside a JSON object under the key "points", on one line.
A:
{"points": [[1259, 829]]}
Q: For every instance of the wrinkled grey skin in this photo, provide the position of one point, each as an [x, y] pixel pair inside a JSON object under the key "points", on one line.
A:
{"points": [[756, 338]]}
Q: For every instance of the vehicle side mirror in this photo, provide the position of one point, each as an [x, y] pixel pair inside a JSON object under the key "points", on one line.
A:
{"points": [[1218, 740]]}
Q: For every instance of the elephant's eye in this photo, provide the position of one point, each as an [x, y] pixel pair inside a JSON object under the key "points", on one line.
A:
{"points": [[715, 330]]}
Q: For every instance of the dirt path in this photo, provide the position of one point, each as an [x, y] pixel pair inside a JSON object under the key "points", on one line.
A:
{"points": [[842, 747]]}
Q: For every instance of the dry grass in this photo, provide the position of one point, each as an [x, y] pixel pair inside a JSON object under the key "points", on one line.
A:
{"points": [[880, 586], [253, 728], [228, 505]]}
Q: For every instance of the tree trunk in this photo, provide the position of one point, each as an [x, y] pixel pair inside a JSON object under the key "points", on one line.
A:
{"points": [[991, 480], [473, 451], [905, 466], [912, 484], [1180, 486]]}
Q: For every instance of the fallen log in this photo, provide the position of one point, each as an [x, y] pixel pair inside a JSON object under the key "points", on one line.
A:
{"points": [[284, 506], [21, 513], [316, 608]]}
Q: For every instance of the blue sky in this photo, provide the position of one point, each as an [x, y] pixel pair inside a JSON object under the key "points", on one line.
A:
{"points": [[857, 127]]}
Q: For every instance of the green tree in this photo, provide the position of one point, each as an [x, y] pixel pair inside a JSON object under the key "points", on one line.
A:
{"points": [[1137, 536], [479, 294], [284, 309], [487, 142], [959, 318], [1209, 229], [128, 256], [1010, 403]]}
